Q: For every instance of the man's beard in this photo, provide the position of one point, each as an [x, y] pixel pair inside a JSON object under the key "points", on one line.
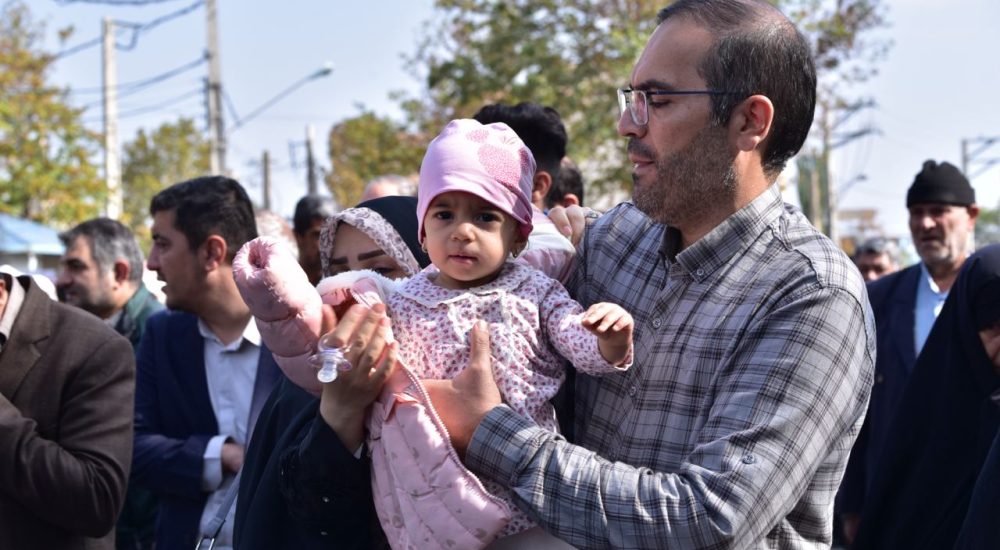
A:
{"points": [[691, 183]]}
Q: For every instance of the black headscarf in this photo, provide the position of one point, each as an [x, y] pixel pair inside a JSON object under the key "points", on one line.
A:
{"points": [[944, 426]]}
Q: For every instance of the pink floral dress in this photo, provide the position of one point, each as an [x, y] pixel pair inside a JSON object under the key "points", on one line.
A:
{"points": [[533, 322]]}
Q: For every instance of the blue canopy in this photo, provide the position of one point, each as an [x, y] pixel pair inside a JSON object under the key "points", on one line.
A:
{"points": [[20, 236]]}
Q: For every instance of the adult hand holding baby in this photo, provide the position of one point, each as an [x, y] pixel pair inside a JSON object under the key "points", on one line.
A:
{"points": [[363, 333], [463, 401]]}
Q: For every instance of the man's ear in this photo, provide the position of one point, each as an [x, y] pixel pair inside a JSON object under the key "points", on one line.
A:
{"points": [[121, 271], [540, 187], [214, 252], [751, 121]]}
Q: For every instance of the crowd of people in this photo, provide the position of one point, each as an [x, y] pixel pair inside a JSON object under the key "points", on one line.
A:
{"points": [[698, 367]]}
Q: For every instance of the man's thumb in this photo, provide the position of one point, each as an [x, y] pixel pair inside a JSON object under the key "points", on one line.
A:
{"points": [[479, 340]]}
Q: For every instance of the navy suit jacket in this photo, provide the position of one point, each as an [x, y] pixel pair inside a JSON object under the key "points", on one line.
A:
{"points": [[174, 421], [893, 299]]}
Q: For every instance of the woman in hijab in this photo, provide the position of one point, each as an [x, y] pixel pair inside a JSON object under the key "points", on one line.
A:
{"points": [[303, 479], [945, 427]]}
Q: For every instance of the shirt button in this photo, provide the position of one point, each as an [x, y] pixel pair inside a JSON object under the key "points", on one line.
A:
{"points": [[879, 378], [323, 533], [326, 500], [749, 458], [632, 391], [657, 322], [699, 272]]}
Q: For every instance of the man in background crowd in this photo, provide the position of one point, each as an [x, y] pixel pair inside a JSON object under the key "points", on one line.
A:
{"points": [[203, 374], [101, 272], [943, 211], [876, 258], [310, 213]]}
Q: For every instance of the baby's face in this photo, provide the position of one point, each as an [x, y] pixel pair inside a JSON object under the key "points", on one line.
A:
{"points": [[468, 239]]}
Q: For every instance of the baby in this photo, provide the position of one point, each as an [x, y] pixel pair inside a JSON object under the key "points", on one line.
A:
{"points": [[474, 214]]}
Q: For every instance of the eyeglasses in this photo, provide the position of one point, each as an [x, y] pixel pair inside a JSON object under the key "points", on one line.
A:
{"points": [[637, 101]]}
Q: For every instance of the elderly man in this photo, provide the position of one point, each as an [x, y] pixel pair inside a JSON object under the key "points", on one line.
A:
{"points": [[67, 385], [943, 213]]}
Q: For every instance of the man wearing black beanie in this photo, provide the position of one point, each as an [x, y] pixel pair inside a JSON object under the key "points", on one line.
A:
{"points": [[943, 212]]}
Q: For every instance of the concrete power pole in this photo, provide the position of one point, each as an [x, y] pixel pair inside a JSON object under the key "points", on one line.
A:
{"points": [[266, 166], [310, 161], [216, 130], [112, 162]]}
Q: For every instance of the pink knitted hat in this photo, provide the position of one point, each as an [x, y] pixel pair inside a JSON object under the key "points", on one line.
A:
{"points": [[488, 161]]}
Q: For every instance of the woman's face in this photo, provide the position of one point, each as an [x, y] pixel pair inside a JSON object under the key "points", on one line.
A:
{"points": [[354, 250]]}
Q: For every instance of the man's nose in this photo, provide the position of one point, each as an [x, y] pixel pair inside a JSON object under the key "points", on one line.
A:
{"points": [[627, 127]]}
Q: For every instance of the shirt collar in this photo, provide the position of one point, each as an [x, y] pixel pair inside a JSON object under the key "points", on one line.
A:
{"points": [[927, 282], [250, 334], [728, 239], [15, 298]]}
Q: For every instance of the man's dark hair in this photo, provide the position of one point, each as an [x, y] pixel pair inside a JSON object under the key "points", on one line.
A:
{"points": [[757, 51], [109, 240], [311, 208], [210, 205], [539, 127], [570, 180]]}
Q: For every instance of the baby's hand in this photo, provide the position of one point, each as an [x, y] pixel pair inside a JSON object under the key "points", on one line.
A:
{"points": [[613, 327]]}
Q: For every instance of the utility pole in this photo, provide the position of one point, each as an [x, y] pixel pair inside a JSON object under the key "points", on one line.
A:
{"points": [[974, 157], [216, 131], [310, 161], [112, 162], [266, 178]]}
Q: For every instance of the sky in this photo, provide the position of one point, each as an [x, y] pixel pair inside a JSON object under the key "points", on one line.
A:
{"points": [[938, 85]]}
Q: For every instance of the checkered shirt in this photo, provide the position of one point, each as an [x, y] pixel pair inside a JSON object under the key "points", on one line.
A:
{"points": [[754, 354]]}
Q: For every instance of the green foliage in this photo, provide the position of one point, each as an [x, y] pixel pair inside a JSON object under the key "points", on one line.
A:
{"points": [[572, 54], [568, 54], [46, 173], [988, 227], [367, 146], [171, 153]]}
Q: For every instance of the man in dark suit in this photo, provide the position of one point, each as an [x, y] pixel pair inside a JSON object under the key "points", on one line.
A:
{"points": [[66, 394], [942, 206], [202, 372]]}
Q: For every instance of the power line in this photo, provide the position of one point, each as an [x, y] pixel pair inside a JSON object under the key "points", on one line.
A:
{"points": [[145, 82], [150, 108], [115, 2], [136, 28]]}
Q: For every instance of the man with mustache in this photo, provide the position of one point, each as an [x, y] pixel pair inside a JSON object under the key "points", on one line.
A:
{"points": [[943, 213], [755, 342]]}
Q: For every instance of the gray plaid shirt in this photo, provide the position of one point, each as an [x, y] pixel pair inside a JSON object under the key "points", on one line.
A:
{"points": [[754, 353]]}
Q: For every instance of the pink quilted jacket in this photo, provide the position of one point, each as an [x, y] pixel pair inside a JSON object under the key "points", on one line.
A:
{"points": [[424, 495]]}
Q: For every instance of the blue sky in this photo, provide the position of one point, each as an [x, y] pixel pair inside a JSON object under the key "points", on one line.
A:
{"points": [[938, 85]]}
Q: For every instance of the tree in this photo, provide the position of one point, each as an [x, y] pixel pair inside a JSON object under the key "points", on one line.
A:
{"points": [[572, 54], [568, 54], [46, 172], [171, 153], [367, 146], [988, 227], [839, 33]]}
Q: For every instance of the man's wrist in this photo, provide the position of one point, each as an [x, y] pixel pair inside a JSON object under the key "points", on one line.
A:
{"points": [[500, 442]]}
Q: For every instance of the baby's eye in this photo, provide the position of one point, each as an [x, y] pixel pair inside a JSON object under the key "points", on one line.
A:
{"points": [[442, 215], [488, 217]]}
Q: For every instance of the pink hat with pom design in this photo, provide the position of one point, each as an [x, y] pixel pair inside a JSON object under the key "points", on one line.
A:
{"points": [[489, 161]]}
